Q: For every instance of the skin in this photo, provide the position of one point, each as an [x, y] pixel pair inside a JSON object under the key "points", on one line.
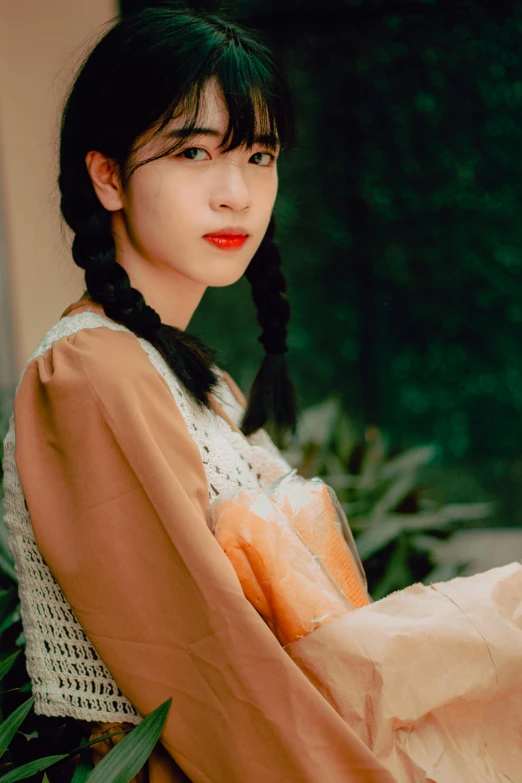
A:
{"points": [[158, 223]]}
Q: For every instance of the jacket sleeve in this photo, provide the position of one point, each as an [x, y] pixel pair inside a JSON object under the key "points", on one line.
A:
{"points": [[118, 497]]}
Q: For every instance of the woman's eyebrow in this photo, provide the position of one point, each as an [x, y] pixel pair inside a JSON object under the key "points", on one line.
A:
{"points": [[268, 139]]}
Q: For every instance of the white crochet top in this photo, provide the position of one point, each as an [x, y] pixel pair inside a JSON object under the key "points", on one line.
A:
{"points": [[68, 677]]}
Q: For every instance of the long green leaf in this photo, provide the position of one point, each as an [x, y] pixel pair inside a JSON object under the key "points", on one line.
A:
{"points": [[466, 511], [411, 459], [122, 763], [30, 769], [10, 724], [85, 765], [86, 744], [398, 490], [379, 534], [38, 765], [7, 663]]}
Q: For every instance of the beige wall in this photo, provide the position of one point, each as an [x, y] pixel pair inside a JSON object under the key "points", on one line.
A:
{"points": [[42, 42]]}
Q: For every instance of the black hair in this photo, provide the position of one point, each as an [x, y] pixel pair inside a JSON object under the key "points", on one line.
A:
{"points": [[150, 67]]}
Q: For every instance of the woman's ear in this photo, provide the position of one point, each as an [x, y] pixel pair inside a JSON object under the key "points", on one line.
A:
{"points": [[104, 174]]}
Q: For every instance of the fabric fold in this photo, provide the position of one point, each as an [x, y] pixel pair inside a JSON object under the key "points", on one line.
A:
{"points": [[118, 499]]}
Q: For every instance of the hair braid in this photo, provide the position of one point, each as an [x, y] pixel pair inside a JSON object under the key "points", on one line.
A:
{"points": [[273, 395], [115, 102], [94, 250]]}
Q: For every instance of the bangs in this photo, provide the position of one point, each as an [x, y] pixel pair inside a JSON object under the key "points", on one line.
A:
{"points": [[258, 103]]}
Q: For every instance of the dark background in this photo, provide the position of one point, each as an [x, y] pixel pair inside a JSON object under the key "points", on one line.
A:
{"points": [[398, 219]]}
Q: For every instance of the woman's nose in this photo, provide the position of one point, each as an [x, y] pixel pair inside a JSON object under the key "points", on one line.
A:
{"points": [[231, 188]]}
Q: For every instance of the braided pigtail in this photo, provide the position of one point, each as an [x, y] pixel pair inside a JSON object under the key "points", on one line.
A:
{"points": [[108, 283], [149, 68], [272, 397]]}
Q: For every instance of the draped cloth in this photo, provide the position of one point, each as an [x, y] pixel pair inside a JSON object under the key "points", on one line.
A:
{"points": [[430, 677]]}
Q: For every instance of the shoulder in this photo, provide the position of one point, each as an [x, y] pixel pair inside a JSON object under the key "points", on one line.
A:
{"points": [[92, 362]]}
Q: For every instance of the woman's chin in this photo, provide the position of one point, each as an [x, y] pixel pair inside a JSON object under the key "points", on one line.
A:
{"points": [[223, 277]]}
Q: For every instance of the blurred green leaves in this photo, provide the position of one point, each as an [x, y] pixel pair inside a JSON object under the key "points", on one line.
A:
{"points": [[399, 532]]}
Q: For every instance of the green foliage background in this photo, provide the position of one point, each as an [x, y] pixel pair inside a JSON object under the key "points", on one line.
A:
{"points": [[398, 222]]}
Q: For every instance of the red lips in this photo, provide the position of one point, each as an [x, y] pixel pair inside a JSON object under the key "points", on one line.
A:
{"points": [[226, 241]]}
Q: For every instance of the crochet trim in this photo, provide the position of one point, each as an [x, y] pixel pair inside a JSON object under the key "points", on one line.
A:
{"points": [[68, 677]]}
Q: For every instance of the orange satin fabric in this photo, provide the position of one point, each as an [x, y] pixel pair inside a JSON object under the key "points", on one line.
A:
{"points": [[118, 498]]}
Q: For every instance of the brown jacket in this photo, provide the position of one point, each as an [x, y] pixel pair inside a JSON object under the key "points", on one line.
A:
{"points": [[118, 498]]}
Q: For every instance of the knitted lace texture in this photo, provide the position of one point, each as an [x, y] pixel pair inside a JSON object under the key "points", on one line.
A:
{"points": [[68, 677]]}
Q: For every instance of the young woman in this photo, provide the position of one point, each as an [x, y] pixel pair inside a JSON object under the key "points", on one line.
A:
{"points": [[124, 429]]}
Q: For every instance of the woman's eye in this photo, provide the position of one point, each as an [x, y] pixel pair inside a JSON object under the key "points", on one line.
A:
{"points": [[189, 154], [269, 155], [192, 149]]}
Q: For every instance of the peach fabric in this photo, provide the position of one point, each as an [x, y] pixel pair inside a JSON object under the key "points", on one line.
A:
{"points": [[430, 678], [279, 573], [119, 501], [313, 515]]}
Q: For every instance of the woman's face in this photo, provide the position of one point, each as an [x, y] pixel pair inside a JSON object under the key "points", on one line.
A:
{"points": [[171, 203]]}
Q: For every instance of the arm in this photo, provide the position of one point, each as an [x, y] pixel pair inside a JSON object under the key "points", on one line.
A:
{"points": [[118, 499]]}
